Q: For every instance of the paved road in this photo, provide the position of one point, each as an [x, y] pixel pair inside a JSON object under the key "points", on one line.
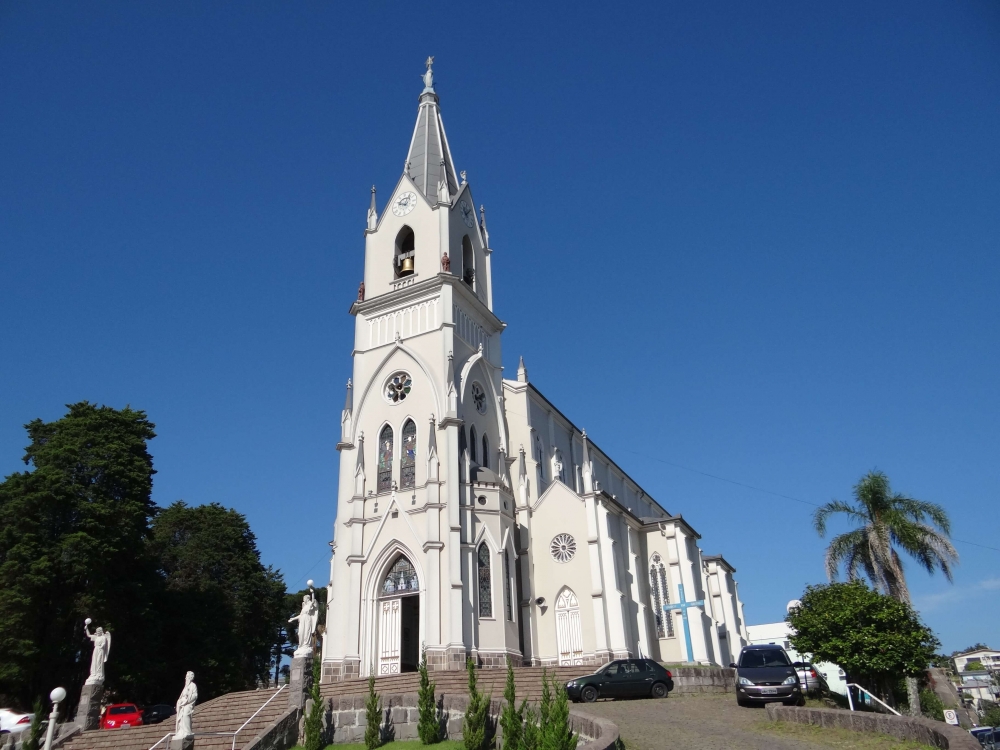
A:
{"points": [[705, 722]]}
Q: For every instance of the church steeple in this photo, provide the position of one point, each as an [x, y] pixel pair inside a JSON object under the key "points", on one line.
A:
{"points": [[428, 162]]}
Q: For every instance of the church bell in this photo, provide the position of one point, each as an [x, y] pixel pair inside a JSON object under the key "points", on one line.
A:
{"points": [[407, 267]]}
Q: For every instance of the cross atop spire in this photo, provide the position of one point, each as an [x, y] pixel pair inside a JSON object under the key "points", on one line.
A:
{"points": [[429, 162]]}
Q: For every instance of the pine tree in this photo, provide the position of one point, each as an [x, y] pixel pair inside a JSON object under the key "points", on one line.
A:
{"points": [[33, 735], [373, 710], [428, 726], [556, 734], [512, 717], [476, 715], [314, 721]]}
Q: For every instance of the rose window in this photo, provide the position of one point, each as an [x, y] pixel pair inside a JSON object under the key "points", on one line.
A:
{"points": [[563, 548], [398, 387], [479, 397]]}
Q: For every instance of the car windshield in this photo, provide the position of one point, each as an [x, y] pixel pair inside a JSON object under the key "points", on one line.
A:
{"points": [[765, 657], [121, 710]]}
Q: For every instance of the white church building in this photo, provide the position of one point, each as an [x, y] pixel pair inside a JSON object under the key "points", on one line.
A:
{"points": [[473, 517]]}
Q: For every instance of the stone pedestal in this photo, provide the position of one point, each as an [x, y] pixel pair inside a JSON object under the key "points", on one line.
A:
{"points": [[88, 712], [300, 681], [182, 743]]}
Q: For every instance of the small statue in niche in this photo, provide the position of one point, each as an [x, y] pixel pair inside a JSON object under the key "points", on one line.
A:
{"points": [[361, 292], [446, 263]]}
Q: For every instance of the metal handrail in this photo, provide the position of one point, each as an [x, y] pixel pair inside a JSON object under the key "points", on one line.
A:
{"points": [[226, 734], [255, 714], [850, 700]]}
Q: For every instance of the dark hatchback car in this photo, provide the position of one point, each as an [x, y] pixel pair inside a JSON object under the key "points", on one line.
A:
{"points": [[623, 678], [765, 674], [156, 714]]}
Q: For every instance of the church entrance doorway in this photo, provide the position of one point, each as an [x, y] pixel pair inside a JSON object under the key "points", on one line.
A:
{"points": [[399, 620], [569, 629]]}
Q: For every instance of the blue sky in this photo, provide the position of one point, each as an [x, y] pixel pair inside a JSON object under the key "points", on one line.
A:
{"points": [[752, 241]]}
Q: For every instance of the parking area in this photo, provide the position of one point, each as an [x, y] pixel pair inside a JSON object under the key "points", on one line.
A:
{"points": [[715, 722]]}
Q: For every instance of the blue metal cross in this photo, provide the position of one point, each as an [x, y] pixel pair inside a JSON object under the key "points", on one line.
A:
{"points": [[683, 607]]}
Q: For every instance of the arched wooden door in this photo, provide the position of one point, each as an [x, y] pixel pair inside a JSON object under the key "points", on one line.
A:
{"points": [[569, 629]]}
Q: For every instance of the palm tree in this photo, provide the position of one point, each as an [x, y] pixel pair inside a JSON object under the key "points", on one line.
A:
{"points": [[886, 520]]}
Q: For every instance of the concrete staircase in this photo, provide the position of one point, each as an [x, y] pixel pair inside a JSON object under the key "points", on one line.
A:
{"points": [[490, 681], [223, 714]]}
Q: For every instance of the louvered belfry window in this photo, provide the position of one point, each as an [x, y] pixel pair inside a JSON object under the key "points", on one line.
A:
{"points": [[385, 459], [508, 586], [408, 461], [660, 595], [485, 582]]}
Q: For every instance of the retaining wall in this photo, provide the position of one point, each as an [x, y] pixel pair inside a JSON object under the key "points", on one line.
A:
{"points": [[703, 679], [348, 718], [917, 729]]}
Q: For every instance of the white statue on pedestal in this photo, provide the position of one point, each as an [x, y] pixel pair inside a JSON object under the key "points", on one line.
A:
{"points": [[307, 618], [102, 647], [185, 707]]}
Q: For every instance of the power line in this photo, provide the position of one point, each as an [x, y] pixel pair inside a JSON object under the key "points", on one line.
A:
{"points": [[766, 492]]}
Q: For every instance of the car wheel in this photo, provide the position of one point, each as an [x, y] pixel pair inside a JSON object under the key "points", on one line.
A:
{"points": [[589, 694], [659, 690]]}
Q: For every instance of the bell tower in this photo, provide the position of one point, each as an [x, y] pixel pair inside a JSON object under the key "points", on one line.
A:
{"points": [[417, 493]]}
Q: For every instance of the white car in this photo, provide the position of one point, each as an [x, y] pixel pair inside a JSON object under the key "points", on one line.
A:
{"points": [[14, 721]]}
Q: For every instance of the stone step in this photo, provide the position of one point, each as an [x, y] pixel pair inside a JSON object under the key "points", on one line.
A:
{"points": [[223, 714]]}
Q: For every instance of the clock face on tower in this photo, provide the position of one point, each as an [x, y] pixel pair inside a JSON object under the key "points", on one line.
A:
{"points": [[404, 204], [468, 215]]}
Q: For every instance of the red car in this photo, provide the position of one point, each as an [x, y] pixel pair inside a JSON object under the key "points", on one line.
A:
{"points": [[119, 715]]}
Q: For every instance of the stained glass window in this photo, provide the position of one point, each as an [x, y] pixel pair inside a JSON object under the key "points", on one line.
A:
{"points": [[402, 578], [485, 582], [508, 585], [479, 397], [408, 461], [472, 444], [385, 459], [398, 387], [486, 452]]}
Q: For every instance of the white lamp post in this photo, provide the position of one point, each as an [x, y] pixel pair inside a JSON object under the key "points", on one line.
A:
{"points": [[57, 696]]}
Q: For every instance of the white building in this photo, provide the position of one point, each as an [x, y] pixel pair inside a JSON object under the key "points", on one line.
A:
{"points": [[474, 518], [989, 658], [779, 634]]}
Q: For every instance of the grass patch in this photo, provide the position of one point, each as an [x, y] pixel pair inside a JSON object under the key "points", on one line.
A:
{"points": [[837, 738], [398, 745]]}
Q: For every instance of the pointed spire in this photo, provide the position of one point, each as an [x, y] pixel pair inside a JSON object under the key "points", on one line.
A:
{"points": [[482, 225], [522, 372], [346, 425], [588, 470], [429, 162], [372, 213], [522, 471], [359, 472], [432, 453], [442, 189], [450, 386]]}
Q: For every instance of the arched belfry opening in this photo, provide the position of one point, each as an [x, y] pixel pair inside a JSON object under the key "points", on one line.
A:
{"points": [[404, 259], [399, 619], [468, 262]]}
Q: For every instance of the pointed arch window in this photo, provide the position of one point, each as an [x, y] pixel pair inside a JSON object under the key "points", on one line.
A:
{"points": [[472, 444], [508, 586], [485, 582], [408, 459], [486, 452], [401, 579], [539, 459], [660, 595], [385, 459]]}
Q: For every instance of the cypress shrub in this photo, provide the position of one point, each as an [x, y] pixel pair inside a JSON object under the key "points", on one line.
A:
{"points": [[512, 717], [428, 726], [556, 734], [476, 715], [373, 710], [314, 721]]}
